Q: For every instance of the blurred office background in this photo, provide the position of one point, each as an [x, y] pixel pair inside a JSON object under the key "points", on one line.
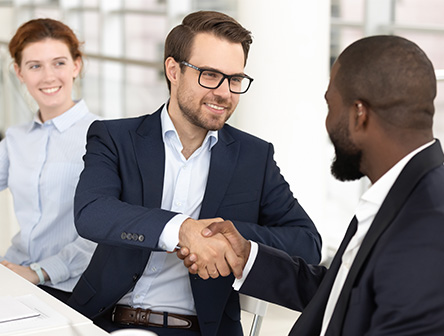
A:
{"points": [[295, 43]]}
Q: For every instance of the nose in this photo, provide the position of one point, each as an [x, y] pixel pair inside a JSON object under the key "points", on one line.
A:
{"points": [[48, 74], [224, 89]]}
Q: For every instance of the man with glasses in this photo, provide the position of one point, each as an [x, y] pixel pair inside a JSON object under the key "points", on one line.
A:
{"points": [[151, 184]]}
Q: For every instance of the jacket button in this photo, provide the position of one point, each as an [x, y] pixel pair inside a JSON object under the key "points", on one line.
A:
{"points": [[141, 238], [135, 236], [123, 235], [135, 276], [101, 309]]}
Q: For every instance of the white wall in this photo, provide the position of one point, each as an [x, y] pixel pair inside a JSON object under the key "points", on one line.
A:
{"points": [[289, 60]]}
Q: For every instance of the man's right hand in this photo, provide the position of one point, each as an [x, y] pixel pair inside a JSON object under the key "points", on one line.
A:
{"points": [[216, 256], [239, 244]]}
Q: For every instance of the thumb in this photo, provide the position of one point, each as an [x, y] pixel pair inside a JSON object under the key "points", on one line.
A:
{"points": [[215, 228], [206, 232]]}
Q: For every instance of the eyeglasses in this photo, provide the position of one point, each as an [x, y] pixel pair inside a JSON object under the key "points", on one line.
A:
{"points": [[212, 79]]}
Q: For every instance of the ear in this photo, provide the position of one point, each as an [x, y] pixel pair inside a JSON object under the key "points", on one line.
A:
{"points": [[172, 70], [359, 114], [77, 67], [18, 72]]}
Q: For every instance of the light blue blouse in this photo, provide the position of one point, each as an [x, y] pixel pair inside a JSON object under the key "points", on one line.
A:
{"points": [[40, 163]]}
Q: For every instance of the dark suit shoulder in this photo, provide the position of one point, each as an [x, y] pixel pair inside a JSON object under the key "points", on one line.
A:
{"points": [[124, 125], [243, 136]]}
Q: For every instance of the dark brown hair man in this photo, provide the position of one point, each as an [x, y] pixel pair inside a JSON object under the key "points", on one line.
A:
{"points": [[152, 183]]}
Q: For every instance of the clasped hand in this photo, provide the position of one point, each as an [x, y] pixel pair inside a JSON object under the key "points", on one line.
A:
{"points": [[24, 271], [212, 248]]}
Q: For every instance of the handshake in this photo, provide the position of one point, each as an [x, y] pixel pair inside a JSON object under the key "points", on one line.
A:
{"points": [[212, 248]]}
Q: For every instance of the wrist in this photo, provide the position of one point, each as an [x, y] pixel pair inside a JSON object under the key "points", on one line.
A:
{"points": [[248, 252], [184, 231], [38, 270]]}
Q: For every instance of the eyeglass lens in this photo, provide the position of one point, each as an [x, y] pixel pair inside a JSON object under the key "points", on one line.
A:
{"points": [[212, 79]]}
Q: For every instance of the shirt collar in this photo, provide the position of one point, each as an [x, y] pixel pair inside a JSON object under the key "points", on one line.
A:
{"points": [[169, 130], [66, 119], [375, 195]]}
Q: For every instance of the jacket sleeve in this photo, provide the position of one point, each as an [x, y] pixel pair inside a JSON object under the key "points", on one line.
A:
{"points": [[278, 278], [100, 214]]}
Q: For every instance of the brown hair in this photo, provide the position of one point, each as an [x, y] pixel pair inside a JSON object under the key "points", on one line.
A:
{"points": [[180, 40], [391, 75], [40, 29]]}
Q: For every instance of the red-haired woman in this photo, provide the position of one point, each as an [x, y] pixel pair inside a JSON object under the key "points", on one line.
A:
{"points": [[40, 161]]}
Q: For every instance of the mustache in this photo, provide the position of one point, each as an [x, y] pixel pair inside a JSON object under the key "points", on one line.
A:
{"points": [[220, 101]]}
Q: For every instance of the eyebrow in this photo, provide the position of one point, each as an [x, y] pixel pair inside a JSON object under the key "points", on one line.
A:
{"points": [[217, 70], [54, 59]]}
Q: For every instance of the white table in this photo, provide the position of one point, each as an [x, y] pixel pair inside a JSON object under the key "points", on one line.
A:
{"points": [[12, 284]]}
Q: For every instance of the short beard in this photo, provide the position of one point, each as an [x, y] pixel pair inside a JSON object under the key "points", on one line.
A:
{"points": [[346, 166], [196, 119]]}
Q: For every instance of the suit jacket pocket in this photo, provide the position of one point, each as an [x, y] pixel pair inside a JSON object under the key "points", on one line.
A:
{"points": [[83, 292]]}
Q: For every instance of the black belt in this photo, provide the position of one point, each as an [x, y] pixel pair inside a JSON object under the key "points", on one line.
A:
{"points": [[147, 317]]}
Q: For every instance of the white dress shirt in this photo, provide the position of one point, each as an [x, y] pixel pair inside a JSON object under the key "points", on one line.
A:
{"points": [[165, 284], [40, 163]]}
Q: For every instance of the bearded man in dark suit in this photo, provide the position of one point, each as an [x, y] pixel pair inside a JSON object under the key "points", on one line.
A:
{"points": [[387, 276]]}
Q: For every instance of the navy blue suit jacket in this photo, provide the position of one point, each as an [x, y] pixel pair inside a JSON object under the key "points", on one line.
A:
{"points": [[395, 285], [117, 205]]}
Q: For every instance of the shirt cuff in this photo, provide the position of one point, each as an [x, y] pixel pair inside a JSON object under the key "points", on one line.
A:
{"points": [[251, 259], [169, 238], [56, 269]]}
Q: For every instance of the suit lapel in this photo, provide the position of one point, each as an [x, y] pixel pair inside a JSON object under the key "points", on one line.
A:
{"points": [[406, 182], [224, 156], [310, 322], [150, 155]]}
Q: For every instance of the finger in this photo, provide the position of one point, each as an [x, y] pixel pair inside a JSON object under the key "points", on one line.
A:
{"points": [[6, 263], [235, 263], [193, 269], [182, 253], [190, 260], [202, 272], [216, 227], [223, 268], [213, 273]]}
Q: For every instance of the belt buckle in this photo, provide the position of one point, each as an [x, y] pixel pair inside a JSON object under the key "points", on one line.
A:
{"points": [[113, 313], [150, 314], [178, 322]]}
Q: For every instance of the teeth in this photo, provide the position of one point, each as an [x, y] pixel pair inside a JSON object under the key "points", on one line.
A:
{"points": [[50, 90], [220, 108]]}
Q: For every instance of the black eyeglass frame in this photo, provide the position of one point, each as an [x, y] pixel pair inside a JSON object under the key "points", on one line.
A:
{"points": [[201, 70]]}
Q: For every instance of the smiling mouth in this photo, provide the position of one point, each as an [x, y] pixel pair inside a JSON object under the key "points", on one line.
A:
{"points": [[219, 108], [51, 90]]}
